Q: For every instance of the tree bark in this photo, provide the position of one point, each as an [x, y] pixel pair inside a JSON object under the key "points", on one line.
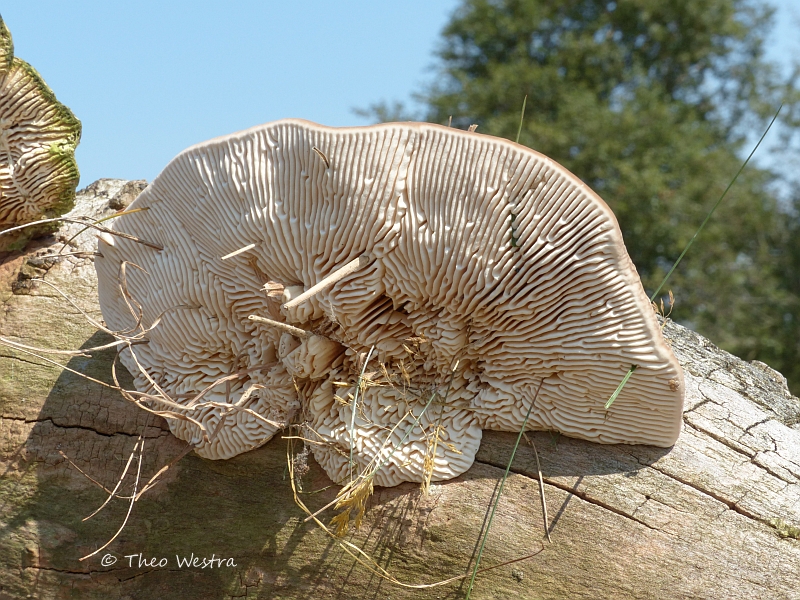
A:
{"points": [[716, 516]]}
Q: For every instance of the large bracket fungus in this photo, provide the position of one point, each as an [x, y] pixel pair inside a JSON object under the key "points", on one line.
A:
{"points": [[38, 137], [458, 278]]}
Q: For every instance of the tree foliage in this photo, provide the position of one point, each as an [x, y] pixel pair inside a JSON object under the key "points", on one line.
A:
{"points": [[652, 105]]}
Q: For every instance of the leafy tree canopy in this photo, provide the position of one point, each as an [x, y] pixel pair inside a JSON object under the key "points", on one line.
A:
{"points": [[652, 105]]}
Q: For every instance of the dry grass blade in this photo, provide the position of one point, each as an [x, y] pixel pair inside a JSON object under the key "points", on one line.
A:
{"points": [[155, 478], [295, 331], [138, 312], [63, 255], [113, 492], [66, 368], [121, 336], [239, 251], [339, 274], [89, 319], [365, 559], [82, 352], [541, 493], [98, 221], [147, 376], [84, 473], [359, 389], [178, 410], [322, 156], [89, 225], [130, 506], [151, 483]]}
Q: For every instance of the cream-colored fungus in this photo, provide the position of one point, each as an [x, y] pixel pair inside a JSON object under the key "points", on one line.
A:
{"points": [[486, 269]]}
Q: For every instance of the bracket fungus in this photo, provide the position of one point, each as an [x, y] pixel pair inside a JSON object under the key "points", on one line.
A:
{"points": [[393, 289], [38, 137]]}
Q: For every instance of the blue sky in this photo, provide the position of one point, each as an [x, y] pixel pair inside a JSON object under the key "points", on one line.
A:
{"points": [[148, 79]]}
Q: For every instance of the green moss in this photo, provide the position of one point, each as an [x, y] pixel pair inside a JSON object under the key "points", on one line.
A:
{"points": [[6, 47], [61, 156], [61, 153], [785, 530]]}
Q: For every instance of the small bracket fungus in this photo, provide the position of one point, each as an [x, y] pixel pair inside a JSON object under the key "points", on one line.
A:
{"points": [[380, 299], [38, 137]]}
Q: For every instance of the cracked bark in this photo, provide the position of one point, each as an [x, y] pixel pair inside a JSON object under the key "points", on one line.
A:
{"points": [[91, 429], [695, 521]]}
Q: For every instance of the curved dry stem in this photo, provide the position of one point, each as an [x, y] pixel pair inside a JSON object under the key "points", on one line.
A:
{"points": [[91, 225], [113, 492], [122, 281], [66, 368], [130, 506], [89, 319], [97, 222], [147, 375], [82, 352], [365, 559]]}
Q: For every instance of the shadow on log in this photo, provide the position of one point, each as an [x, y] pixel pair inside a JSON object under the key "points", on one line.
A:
{"points": [[713, 517]]}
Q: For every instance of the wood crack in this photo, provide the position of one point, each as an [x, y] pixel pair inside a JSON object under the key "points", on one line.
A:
{"points": [[83, 427], [40, 568], [725, 442], [25, 360], [582, 495], [731, 504]]}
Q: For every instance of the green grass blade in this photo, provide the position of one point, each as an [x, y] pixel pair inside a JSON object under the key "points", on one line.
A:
{"points": [[519, 132], [711, 212], [499, 492], [621, 385], [691, 241], [521, 117]]}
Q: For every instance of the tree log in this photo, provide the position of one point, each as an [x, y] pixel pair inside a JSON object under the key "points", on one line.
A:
{"points": [[716, 516]]}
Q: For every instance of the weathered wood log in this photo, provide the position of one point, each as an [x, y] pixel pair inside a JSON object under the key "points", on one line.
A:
{"points": [[715, 516]]}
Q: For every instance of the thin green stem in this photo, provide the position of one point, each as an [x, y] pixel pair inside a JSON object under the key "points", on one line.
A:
{"points": [[521, 117], [620, 386], [519, 132], [689, 245], [711, 212], [500, 491]]}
